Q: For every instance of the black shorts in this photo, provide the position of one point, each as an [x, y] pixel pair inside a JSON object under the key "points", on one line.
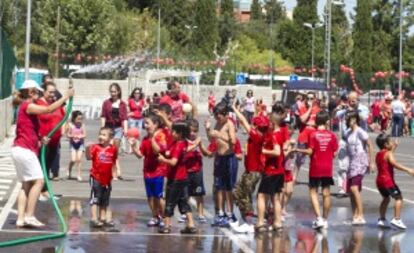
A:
{"points": [[394, 192], [100, 195], [196, 184], [315, 182], [272, 184], [177, 194]]}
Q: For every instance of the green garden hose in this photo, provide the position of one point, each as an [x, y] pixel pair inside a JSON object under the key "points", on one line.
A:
{"points": [[63, 225]]}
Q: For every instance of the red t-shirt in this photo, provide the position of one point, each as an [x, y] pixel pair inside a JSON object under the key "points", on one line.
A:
{"points": [[176, 104], [136, 108], [272, 164], [253, 161], [385, 176], [194, 161], [282, 136], [324, 144], [152, 168], [163, 138], [49, 121], [179, 171], [103, 159], [304, 129], [27, 129]]}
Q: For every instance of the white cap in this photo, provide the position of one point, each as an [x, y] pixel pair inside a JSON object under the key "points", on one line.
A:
{"points": [[30, 84]]}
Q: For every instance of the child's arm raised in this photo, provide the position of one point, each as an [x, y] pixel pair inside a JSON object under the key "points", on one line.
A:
{"points": [[391, 159], [193, 145], [135, 147], [164, 118], [243, 121]]}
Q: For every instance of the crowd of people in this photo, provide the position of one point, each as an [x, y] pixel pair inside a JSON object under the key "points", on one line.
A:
{"points": [[172, 153]]}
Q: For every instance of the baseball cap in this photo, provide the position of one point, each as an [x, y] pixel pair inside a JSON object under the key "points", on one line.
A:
{"points": [[30, 84]]}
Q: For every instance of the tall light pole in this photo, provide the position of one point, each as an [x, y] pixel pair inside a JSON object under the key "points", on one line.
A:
{"points": [[328, 38], [400, 63], [28, 29], [159, 38], [313, 27]]}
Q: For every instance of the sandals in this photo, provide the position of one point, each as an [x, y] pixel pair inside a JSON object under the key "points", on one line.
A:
{"points": [[188, 230], [96, 224], [260, 229], [31, 222], [276, 228], [110, 223], [164, 230]]}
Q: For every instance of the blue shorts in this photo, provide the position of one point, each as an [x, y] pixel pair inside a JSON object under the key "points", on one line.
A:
{"points": [[118, 133], [225, 172], [136, 123], [154, 187]]}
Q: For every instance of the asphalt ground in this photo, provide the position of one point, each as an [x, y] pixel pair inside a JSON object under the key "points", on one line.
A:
{"points": [[131, 213]]}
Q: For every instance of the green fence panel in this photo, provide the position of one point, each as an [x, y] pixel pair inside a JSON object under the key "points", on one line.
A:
{"points": [[7, 65]]}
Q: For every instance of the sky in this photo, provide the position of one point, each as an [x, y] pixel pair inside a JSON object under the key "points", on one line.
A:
{"points": [[349, 4]]}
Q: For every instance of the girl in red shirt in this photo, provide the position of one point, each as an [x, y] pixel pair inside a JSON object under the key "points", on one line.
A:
{"points": [[272, 181], [177, 185], [386, 185], [26, 149], [136, 104]]}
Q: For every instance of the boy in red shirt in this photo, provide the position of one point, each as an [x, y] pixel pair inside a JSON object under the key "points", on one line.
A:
{"points": [[154, 171], [253, 163], [103, 156], [323, 145], [177, 185], [386, 185]]}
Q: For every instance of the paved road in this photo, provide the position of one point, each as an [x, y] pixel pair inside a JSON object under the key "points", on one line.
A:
{"points": [[131, 214]]}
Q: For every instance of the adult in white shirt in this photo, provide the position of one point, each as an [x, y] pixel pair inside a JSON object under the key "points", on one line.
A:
{"points": [[398, 109], [249, 106]]}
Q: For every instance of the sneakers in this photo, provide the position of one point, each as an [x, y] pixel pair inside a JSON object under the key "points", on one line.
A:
{"points": [[397, 223], [201, 219], [325, 224], [221, 221], [232, 218], [160, 221], [358, 222], [153, 222], [383, 223], [182, 218], [318, 223], [243, 229]]}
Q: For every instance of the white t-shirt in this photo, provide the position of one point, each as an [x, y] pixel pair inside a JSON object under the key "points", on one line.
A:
{"points": [[249, 104], [355, 140], [397, 107]]}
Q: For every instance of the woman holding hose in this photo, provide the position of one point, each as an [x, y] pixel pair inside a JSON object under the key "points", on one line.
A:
{"points": [[25, 149]]}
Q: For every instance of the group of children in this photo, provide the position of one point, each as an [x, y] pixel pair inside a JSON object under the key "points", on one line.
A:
{"points": [[174, 151]]}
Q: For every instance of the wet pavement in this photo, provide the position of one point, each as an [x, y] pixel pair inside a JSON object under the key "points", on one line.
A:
{"points": [[131, 213]]}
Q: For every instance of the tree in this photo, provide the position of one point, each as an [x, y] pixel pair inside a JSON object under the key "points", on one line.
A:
{"points": [[205, 36], [175, 16], [256, 10], [227, 24], [296, 38], [275, 11], [341, 46], [362, 36], [83, 27]]}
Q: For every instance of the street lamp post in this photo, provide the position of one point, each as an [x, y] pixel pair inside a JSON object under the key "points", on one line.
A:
{"points": [[313, 27], [400, 63], [28, 29], [328, 38]]}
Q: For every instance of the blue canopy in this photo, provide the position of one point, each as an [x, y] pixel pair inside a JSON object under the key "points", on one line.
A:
{"points": [[306, 84]]}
